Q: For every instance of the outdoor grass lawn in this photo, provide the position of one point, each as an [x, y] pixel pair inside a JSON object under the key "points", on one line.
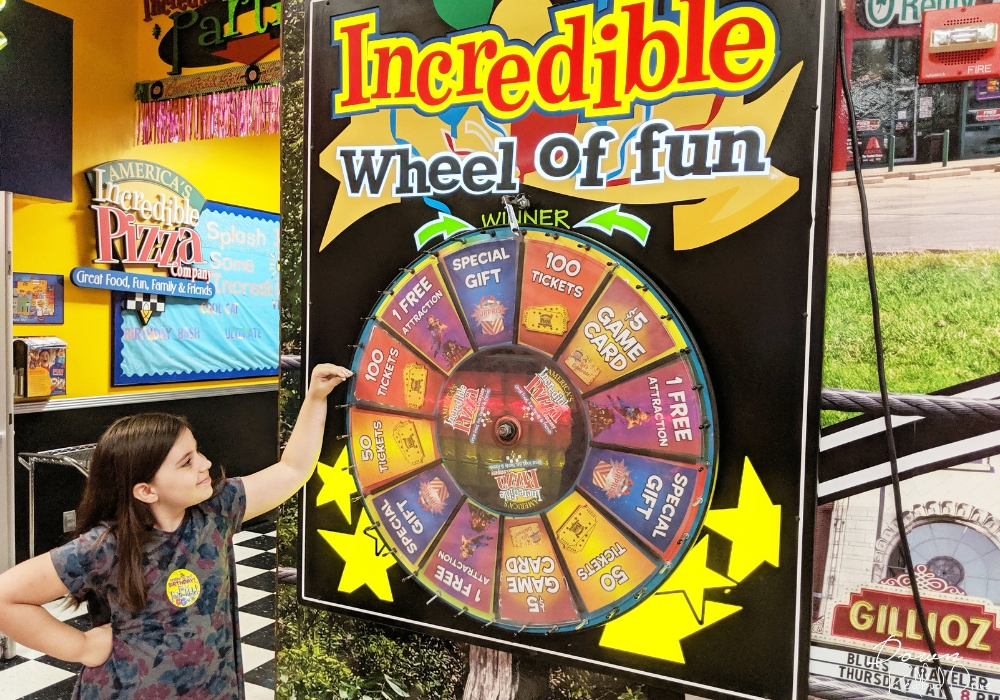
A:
{"points": [[940, 321]]}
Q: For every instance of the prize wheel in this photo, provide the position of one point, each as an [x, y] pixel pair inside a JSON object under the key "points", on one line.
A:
{"points": [[531, 429]]}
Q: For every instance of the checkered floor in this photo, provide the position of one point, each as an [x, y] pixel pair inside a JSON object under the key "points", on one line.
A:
{"points": [[32, 675]]}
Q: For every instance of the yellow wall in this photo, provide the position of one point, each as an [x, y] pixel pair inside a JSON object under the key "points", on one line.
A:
{"points": [[55, 237]]}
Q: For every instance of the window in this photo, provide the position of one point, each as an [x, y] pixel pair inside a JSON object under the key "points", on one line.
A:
{"points": [[955, 552], [884, 84]]}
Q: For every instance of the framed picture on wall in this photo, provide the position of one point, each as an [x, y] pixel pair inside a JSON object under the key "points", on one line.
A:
{"points": [[160, 339], [38, 299]]}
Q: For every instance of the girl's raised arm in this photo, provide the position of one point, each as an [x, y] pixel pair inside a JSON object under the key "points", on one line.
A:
{"points": [[271, 487], [23, 591]]}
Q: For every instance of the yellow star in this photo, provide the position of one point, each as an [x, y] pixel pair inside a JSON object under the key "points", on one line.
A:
{"points": [[693, 576], [656, 626], [338, 484], [363, 129], [754, 526], [362, 566]]}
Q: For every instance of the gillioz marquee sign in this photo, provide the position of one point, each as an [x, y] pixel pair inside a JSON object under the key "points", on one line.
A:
{"points": [[878, 614], [874, 639]]}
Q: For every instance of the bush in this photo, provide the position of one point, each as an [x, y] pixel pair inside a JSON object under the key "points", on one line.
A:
{"points": [[577, 684], [306, 671], [321, 653]]}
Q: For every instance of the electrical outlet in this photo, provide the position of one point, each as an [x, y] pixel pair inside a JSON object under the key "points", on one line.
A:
{"points": [[69, 521]]}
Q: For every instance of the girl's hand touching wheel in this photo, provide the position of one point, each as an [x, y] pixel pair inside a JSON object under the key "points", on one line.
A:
{"points": [[325, 377]]}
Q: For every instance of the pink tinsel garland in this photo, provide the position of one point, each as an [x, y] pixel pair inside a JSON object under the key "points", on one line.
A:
{"points": [[250, 112]]}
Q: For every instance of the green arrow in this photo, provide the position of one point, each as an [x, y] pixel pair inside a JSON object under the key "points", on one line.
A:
{"points": [[445, 225], [607, 220]]}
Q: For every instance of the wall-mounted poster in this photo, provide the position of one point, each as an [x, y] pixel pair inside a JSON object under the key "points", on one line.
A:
{"points": [[159, 339], [38, 299], [594, 438]]}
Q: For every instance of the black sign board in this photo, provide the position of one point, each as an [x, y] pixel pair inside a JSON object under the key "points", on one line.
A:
{"points": [[594, 436]]}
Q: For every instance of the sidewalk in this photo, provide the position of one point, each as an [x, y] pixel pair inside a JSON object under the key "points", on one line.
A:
{"points": [[922, 171], [919, 208]]}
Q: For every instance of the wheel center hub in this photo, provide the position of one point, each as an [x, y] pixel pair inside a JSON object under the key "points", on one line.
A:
{"points": [[507, 431], [511, 429]]}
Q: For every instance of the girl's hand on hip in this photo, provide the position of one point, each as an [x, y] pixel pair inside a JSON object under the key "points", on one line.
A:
{"points": [[325, 377], [98, 646]]}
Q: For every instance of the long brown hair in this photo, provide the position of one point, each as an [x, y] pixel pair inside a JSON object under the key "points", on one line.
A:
{"points": [[129, 452]]}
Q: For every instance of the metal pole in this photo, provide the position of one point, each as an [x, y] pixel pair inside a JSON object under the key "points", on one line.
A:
{"points": [[944, 148], [961, 123], [7, 464], [892, 152], [31, 510]]}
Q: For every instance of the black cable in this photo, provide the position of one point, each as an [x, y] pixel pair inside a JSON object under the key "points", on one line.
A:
{"points": [[904, 545], [923, 405]]}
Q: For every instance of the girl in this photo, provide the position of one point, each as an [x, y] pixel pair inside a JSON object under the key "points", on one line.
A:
{"points": [[154, 560]]}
